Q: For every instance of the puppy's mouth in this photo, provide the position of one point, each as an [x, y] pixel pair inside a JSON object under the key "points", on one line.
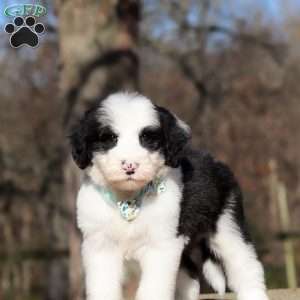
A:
{"points": [[131, 178], [135, 180], [129, 183]]}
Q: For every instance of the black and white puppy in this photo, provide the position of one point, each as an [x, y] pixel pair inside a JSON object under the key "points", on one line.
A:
{"points": [[148, 196]]}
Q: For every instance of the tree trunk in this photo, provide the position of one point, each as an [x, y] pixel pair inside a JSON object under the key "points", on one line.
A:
{"points": [[97, 56]]}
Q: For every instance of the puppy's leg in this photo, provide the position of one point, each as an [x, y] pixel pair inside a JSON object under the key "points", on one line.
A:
{"points": [[104, 270], [159, 265], [187, 288], [214, 276], [244, 272]]}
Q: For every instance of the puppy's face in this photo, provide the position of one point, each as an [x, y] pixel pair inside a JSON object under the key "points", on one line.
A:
{"points": [[126, 141]]}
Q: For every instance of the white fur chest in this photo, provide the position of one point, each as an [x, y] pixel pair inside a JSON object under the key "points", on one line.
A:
{"points": [[156, 222]]}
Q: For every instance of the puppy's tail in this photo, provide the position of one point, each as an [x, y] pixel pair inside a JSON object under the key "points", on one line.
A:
{"points": [[215, 276]]}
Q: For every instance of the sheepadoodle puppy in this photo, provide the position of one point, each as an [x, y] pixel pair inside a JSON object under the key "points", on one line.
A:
{"points": [[148, 196]]}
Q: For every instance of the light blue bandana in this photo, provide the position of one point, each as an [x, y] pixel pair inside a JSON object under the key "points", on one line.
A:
{"points": [[129, 209]]}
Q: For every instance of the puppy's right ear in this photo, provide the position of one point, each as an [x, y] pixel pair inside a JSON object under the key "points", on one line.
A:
{"points": [[82, 139]]}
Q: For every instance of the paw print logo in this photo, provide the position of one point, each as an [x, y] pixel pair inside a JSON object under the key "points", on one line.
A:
{"points": [[24, 33]]}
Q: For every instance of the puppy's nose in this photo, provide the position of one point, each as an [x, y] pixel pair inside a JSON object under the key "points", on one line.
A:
{"points": [[129, 167]]}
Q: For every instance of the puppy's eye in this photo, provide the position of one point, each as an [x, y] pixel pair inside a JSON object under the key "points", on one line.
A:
{"points": [[108, 137], [150, 138]]}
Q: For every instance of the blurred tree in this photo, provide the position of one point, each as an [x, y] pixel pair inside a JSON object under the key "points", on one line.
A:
{"points": [[98, 56], [220, 65]]}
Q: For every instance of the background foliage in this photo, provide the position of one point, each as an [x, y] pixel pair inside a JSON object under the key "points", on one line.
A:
{"points": [[231, 69]]}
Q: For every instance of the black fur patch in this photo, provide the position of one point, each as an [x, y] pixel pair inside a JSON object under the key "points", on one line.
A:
{"points": [[209, 188]]}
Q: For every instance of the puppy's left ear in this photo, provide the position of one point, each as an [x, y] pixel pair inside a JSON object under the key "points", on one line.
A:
{"points": [[176, 133]]}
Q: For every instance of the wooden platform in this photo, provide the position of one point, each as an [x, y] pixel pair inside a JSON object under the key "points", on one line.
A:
{"points": [[286, 294]]}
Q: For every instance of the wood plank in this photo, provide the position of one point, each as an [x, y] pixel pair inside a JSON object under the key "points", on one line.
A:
{"points": [[282, 294]]}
